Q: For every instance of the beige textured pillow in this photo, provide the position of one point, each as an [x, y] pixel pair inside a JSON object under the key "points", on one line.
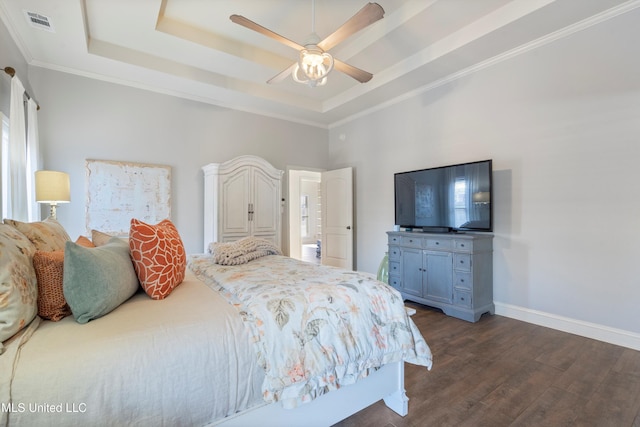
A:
{"points": [[51, 302], [50, 273], [47, 235]]}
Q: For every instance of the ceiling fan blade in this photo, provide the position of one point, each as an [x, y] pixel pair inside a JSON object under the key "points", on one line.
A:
{"points": [[358, 74], [366, 16], [241, 20], [282, 75]]}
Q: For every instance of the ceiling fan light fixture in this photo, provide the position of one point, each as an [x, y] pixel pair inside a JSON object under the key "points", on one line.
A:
{"points": [[314, 62], [300, 77], [313, 66]]}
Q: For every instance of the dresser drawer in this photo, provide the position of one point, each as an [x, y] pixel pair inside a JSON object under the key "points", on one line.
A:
{"points": [[395, 282], [394, 267], [462, 297], [463, 245], [411, 242], [439, 244], [394, 240], [462, 262], [394, 253], [462, 279]]}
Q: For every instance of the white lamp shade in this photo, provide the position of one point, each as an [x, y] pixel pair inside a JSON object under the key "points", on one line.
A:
{"points": [[52, 187]]}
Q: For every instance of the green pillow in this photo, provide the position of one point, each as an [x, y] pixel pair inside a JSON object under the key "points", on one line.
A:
{"points": [[97, 280]]}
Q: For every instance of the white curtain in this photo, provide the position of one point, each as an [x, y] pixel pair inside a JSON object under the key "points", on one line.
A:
{"points": [[33, 160], [17, 200]]}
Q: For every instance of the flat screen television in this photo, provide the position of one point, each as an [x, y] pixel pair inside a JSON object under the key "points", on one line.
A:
{"points": [[445, 199]]}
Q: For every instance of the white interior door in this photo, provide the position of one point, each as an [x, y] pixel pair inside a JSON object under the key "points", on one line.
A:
{"points": [[337, 218]]}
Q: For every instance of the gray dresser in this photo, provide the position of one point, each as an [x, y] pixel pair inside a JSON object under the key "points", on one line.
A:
{"points": [[453, 272]]}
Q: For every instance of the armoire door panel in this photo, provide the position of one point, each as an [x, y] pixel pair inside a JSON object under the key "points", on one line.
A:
{"points": [[266, 213], [235, 202]]}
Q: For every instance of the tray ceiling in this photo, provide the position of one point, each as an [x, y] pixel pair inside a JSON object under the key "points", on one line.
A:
{"points": [[190, 48]]}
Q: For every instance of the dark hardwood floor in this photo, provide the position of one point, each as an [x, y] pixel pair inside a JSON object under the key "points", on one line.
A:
{"points": [[504, 372]]}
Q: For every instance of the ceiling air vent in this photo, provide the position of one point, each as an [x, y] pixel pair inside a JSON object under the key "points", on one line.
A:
{"points": [[39, 21]]}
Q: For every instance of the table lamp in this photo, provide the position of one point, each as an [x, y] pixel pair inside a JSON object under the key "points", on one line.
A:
{"points": [[52, 187]]}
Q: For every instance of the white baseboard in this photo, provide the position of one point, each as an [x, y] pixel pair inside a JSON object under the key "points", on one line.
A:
{"points": [[578, 327]]}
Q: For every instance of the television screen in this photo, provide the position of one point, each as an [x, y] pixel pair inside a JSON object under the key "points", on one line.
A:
{"points": [[447, 198]]}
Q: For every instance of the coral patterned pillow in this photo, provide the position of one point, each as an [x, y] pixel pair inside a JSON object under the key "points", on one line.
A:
{"points": [[158, 256]]}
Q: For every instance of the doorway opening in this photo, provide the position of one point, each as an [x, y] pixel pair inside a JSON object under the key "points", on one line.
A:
{"points": [[305, 209]]}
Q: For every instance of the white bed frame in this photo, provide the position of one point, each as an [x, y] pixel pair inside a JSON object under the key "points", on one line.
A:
{"points": [[386, 383]]}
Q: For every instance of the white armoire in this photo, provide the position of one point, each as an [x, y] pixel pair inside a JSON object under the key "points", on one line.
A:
{"points": [[242, 197]]}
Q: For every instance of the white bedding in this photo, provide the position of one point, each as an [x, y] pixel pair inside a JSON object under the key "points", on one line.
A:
{"points": [[147, 363]]}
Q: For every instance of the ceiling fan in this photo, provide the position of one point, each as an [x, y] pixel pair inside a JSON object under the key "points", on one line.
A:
{"points": [[315, 62]]}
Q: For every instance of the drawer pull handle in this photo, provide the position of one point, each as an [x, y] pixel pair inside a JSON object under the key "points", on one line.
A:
{"points": [[462, 245], [461, 280], [437, 243], [461, 298], [461, 261]]}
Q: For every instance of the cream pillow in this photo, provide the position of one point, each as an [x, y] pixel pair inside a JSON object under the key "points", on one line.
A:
{"points": [[48, 235], [18, 285], [99, 238]]}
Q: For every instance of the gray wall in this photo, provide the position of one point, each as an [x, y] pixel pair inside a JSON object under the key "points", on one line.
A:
{"points": [[84, 119], [562, 124]]}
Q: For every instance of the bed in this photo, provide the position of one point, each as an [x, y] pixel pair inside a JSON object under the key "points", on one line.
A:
{"points": [[193, 357]]}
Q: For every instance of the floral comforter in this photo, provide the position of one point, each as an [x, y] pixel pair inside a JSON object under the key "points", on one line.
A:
{"points": [[315, 328]]}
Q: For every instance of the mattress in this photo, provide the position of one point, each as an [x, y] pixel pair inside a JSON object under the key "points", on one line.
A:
{"points": [[184, 360]]}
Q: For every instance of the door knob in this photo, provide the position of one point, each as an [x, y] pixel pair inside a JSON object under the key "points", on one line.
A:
{"points": [[348, 227]]}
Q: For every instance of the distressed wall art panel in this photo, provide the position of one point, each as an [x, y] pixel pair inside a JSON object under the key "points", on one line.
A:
{"points": [[119, 191]]}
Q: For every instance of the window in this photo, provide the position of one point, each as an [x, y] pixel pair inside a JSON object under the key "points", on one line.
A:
{"points": [[460, 201]]}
